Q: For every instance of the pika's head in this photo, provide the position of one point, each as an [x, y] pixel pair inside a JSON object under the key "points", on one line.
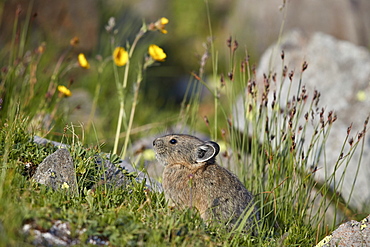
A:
{"points": [[180, 149]]}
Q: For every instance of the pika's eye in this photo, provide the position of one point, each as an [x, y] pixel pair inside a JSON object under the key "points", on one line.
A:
{"points": [[173, 141]]}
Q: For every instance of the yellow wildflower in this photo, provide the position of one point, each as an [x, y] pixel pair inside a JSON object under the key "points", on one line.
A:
{"points": [[83, 61], [65, 91], [65, 186], [74, 41], [159, 25], [157, 53], [149, 154], [41, 48], [361, 95], [120, 56]]}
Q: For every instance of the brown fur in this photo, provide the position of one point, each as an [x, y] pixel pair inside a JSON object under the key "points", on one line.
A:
{"points": [[192, 178]]}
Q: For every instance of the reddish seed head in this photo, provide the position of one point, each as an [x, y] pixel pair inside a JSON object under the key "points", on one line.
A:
{"points": [[285, 71], [292, 148], [223, 132], [229, 122], [228, 41], [4, 69], [330, 116], [267, 84], [290, 123], [267, 126], [304, 66], [230, 75], [360, 135], [334, 118], [206, 120], [350, 141], [254, 69], [291, 75], [303, 93], [317, 99], [242, 66], [222, 80], [315, 95], [349, 129], [365, 123], [18, 10], [322, 113], [235, 46], [293, 111], [274, 77]]}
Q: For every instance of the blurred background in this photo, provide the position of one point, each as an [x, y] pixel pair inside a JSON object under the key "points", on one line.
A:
{"points": [[255, 24]]}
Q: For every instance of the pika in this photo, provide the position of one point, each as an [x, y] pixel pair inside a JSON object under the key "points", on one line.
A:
{"points": [[192, 178]]}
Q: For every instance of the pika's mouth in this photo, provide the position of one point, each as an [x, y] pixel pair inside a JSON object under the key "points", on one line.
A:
{"points": [[159, 150], [161, 159]]}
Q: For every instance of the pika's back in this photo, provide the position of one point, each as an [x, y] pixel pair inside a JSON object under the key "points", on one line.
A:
{"points": [[181, 149]]}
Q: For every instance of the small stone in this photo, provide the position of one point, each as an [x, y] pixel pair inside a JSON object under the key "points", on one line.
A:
{"points": [[57, 171], [351, 233]]}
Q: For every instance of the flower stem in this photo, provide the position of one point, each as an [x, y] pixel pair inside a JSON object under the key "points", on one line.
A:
{"points": [[137, 38], [121, 93], [132, 114], [119, 124]]}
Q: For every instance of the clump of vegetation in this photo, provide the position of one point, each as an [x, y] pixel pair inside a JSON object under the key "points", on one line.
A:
{"points": [[269, 156]]}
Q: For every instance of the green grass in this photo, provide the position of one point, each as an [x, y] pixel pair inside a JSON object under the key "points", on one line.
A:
{"points": [[268, 157]]}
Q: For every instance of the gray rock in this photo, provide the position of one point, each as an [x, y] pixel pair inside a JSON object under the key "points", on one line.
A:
{"points": [[58, 235], [258, 22], [117, 174], [351, 233], [340, 71], [114, 174], [57, 171], [43, 141]]}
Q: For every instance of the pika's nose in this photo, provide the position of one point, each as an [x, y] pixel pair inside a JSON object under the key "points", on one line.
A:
{"points": [[157, 142]]}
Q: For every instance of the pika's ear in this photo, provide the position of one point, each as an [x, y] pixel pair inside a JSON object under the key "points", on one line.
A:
{"points": [[207, 151]]}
